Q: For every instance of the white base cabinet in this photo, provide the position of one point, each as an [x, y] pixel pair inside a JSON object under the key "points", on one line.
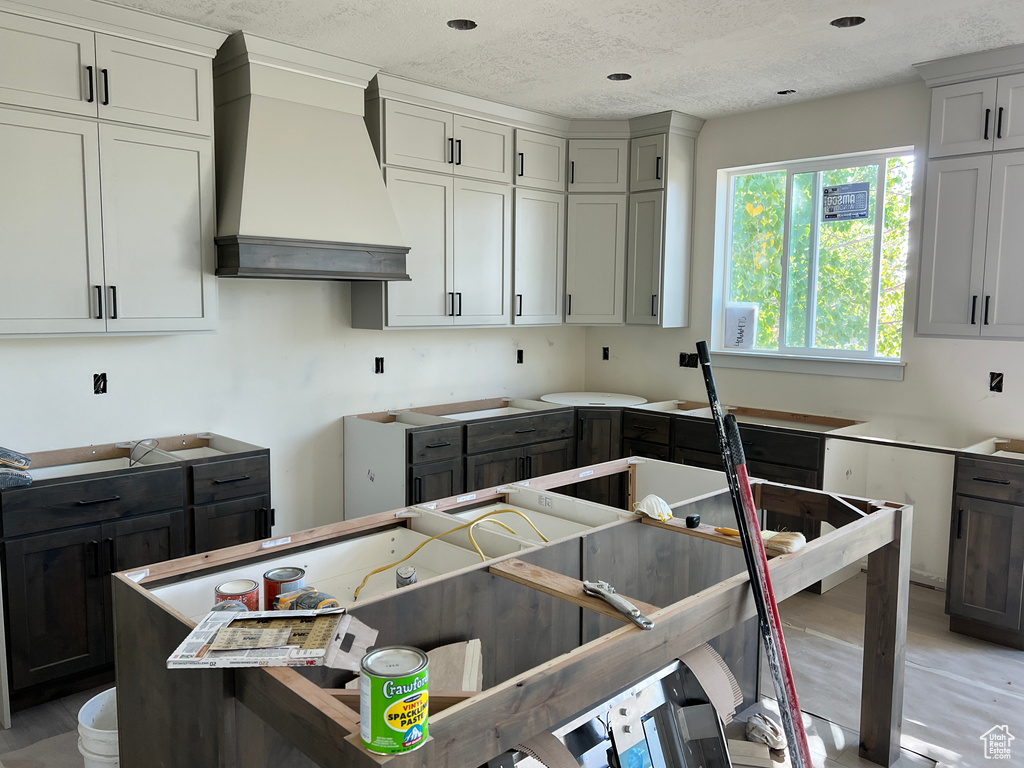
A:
{"points": [[595, 259]]}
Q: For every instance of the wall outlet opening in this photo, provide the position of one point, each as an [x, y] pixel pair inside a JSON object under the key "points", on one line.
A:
{"points": [[519, 356], [604, 353], [378, 365], [99, 383], [995, 382]]}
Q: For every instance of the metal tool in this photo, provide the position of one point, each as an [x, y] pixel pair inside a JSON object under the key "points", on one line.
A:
{"points": [[606, 592]]}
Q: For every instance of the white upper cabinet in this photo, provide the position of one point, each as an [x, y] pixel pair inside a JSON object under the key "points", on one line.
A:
{"points": [[433, 140], [644, 257], [598, 165], [595, 259], [1003, 309], [540, 161], [647, 163], [539, 257], [483, 249], [977, 116]]}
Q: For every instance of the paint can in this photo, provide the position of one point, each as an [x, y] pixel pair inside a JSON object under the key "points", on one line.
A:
{"points": [[230, 605], [405, 575], [246, 591], [314, 600], [280, 580], [393, 702]]}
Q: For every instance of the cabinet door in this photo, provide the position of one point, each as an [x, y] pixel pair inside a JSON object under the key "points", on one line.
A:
{"points": [[1010, 112], [437, 480], [424, 205], [158, 228], [485, 470], [418, 137], [1002, 311], [986, 563], [647, 450], [595, 259], [228, 523], [483, 150], [483, 250], [647, 163], [645, 255], [50, 225], [540, 161], [55, 605], [598, 165], [158, 87], [598, 439], [539, 257], [963, 118], [953, 246], [548, 458], [47, 66]]}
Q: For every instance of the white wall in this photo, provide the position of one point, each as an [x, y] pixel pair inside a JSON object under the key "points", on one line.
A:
{"points": [[282, 370]]}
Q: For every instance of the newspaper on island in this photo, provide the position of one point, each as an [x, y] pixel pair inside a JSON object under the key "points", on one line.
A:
{"points": [[330, 637]]}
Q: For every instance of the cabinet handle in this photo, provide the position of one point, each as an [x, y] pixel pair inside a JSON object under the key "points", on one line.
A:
{"points": [[657, 168], [999, 124], [568, 310], [974, 308], [459, 295], [273, 517], [522, 165], [986, 309], [95, 545], [451, 151], [525, 431], [106, 86], [458, 146], [113, 302], [417, 490], [519, 305], [99, 302], [451, 304], [522, 468], [438, 445], [529, 467], [643, 427], [107, 500], [92, 87], [572, 171], [993, 480], [654, 305], [112, 544], [959, 522], [238, 479], [988, 114]]}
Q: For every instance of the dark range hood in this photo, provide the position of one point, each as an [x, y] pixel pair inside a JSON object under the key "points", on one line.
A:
{"points": [[299, 192]]}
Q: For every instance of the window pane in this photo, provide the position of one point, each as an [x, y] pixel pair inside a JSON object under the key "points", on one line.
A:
{"points": [[842, 307], [800, 234], [758, 219], [898, 180]]}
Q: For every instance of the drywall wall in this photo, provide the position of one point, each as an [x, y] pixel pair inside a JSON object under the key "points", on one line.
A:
{"points": [[946, 381], [282, 370]]}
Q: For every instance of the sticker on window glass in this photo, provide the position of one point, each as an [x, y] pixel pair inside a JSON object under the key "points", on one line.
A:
{"points": [[845, 201]]}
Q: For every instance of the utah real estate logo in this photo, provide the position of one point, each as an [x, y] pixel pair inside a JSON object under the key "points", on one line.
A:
{"points": [[997, 742]]}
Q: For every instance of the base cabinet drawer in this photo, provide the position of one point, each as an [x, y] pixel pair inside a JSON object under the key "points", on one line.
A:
{"points": [[230, 479], [997, 480], [648, 427], [646, 450], [230, 523]]}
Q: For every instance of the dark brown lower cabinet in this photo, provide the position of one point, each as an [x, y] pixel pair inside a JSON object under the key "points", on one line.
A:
{"points": [[486, 470], [646, 450], [599, 438], [228, 523], [436, 480]]}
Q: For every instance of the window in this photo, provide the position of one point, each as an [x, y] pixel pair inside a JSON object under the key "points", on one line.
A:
{"points": [[816, 257]]}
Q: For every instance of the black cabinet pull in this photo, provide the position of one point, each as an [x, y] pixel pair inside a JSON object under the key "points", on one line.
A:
{"points": [[451, 304], [522, 165], [519, 305], [643, 427], [986, 309], [273, 517], [657, 168], [107, 500], [438, 445], [451, 151], [524, 431], [112, 545], [529, 467], [238, 479], [988, 114], [522, 468], [974, 308], [95, 546], [417, 490], [654, 305], [959, 522], [106, 86], [572, 171], [993, 480], [113, 302], [99, 302], [458, 145], [92, 88], [568, 310], [459, 295], [999, 124]]}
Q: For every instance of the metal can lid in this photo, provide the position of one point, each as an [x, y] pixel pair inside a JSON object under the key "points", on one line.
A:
{"points": [[230, 605], [406, 571], [284, 574], [236, 587], [394, 661]]}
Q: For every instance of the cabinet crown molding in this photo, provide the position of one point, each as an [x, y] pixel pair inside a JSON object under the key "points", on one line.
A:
{"points": [[972, 66], [666, 122]]}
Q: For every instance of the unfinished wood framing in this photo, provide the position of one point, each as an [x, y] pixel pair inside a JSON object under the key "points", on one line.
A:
{"points": [[259, 718]]}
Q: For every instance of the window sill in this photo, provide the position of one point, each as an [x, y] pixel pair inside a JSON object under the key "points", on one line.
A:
{"points": [[821, 366]]}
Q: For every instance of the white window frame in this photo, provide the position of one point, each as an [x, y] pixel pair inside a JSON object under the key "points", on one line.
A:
{"points": [[863, 363]]}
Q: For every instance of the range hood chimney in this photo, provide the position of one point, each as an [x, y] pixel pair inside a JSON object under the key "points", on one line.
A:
{"points": [[299, 191]]}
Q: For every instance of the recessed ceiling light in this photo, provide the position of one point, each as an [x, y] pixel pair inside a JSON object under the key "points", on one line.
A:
{"points": [[844, 22], [786, 92], [462, 24], [620, 76]]}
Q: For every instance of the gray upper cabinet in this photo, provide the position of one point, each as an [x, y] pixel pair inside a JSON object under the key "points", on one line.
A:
{"points": [[977, 116], [540, 161], [539, 257], [595, 259], [647, 163], [598, 165], [645, 249], [483, 150]]}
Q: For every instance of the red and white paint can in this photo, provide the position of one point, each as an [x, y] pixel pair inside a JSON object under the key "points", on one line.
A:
{"points": [[245, 591], [279, 580]]}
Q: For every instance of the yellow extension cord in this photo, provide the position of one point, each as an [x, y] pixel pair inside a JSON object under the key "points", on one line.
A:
{"points": [[456, 529]]}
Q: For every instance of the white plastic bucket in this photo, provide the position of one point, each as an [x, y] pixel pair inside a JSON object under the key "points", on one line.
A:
{"points": [[93, 760], [97, 729]]}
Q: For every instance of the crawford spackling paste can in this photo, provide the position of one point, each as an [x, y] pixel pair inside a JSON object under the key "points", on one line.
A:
{"points": [[393, 699], [281, 580]]}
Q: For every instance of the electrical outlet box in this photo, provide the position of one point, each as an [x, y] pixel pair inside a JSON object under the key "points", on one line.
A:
{"points": [[688, 360], [519, 356], [378, 365], [995, 382], [604, 353], [99, 383]]}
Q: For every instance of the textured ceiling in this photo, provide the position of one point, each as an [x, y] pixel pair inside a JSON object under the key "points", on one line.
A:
{"points": [[702, 57]]}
